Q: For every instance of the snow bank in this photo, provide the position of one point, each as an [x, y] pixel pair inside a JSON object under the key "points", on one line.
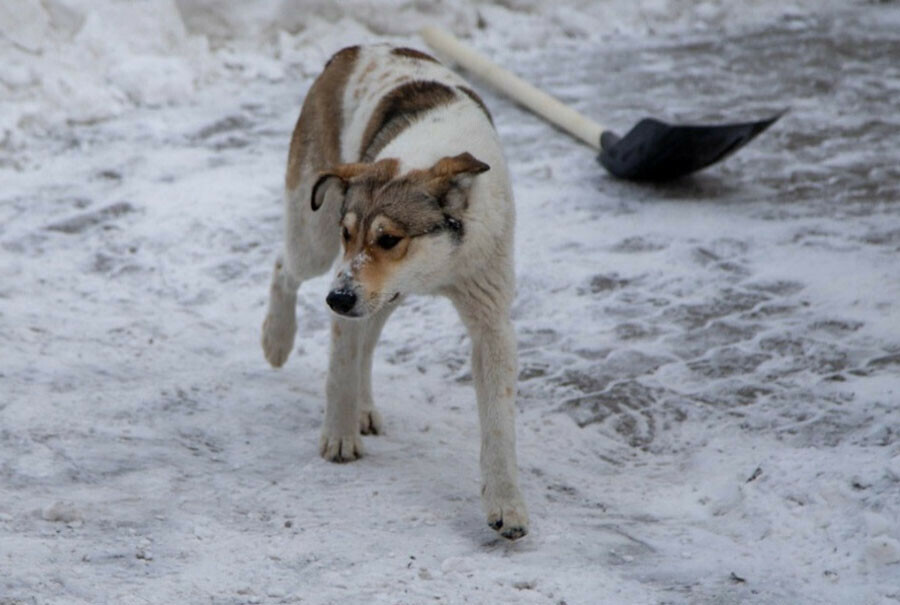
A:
{"points": [[76, 61]]}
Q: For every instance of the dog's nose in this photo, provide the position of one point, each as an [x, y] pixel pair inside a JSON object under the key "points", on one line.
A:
{"points": [[341, 301]]}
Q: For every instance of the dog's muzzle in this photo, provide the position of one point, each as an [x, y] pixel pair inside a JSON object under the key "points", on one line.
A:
{"points": [[341, 301]]}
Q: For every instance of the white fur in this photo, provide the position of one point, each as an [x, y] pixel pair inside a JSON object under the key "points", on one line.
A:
{"points": [[479, 281]]}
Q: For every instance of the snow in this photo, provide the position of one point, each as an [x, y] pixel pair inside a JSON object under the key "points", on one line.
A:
{"points": [[709, 370]]}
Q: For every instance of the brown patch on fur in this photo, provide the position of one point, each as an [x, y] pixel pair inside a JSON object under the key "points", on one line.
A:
{"points": [[404, 203], [316, 137], [478, 101], [381, 263], [418, 203], [398, 109], [451, 166], [370, 174], [372, 276], [362, 91], [438, 179], [341, 53], [369, 68], [412, 53], [378, 172]]}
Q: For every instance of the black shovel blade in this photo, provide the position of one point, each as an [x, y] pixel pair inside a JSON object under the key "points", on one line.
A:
{"points": [[656, 151]]}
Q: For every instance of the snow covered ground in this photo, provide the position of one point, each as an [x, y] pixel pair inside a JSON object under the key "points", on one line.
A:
{"points": [[710, 371]]}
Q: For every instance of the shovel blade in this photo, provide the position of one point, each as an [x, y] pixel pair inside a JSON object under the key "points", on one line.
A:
{"points": [[656, 151]]}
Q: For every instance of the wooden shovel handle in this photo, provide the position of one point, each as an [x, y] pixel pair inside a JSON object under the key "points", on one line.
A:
{"points": [[537, 101]]}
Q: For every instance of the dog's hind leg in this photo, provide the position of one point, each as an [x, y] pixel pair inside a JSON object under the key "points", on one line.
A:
{"points": [[311, 244], [369, 418], [494, 370]]}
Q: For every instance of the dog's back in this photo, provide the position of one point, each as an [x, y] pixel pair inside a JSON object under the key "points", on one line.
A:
{"points": [[368, 97]]}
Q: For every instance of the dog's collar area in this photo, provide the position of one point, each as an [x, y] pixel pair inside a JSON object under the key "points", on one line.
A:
{"points": [[453, 225]]}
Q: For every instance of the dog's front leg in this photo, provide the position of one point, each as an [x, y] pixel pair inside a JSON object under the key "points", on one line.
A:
{"points": [[370, 422], [340, 440], [280, 324], [494, 372], [311, 243]]}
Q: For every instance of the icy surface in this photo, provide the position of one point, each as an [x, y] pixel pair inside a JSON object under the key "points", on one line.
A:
{"points": [[710, 371]]}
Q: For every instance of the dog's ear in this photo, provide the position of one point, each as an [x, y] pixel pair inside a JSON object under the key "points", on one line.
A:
{"points": [[451, 178], [324, 184], [341, 175]]}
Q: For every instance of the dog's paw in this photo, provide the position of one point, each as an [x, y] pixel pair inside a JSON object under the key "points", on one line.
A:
{"points": [[509, 517], [338, 448], [370, 422], [278, 338]]}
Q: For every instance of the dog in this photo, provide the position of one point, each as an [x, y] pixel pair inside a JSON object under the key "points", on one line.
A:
{"points": [[395, 166]]}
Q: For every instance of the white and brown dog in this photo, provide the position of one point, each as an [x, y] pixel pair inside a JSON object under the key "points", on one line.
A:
{"points": [[396, 158]]}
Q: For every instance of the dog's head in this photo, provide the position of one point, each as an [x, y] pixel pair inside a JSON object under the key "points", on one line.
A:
{"points": [[398, 231]]}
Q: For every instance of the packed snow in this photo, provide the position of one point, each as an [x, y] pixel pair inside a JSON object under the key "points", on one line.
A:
{"points": [[709, 370]]}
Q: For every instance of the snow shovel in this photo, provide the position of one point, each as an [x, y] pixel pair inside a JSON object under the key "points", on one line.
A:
{"points": [[651, 151]]}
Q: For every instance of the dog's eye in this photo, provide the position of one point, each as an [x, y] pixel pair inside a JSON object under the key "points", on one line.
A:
{"points": [[386, 242], [346, 234]]}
